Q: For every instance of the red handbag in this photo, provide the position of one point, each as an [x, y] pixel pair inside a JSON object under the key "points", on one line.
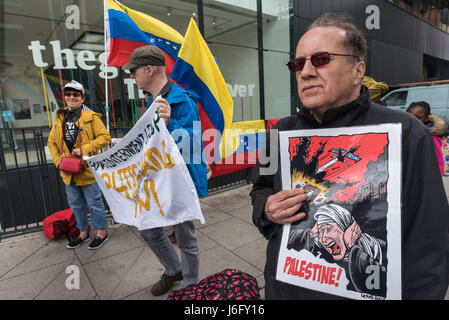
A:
{"points": [[70, 164]]}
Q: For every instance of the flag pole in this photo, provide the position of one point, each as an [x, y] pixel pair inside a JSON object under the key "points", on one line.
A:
{"points": [[45, 95], [62, 88], [106, 65]]}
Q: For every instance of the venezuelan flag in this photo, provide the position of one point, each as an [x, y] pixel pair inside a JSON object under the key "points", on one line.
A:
{"points": [[196, 70], [243, 143], [127, 29]]}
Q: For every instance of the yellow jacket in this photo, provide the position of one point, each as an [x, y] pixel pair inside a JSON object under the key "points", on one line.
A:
{"points": [[376, 89], [93, 136]]}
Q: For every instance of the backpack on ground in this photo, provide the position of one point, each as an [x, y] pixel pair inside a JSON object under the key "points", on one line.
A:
{"points": [[60, 225], [230, 284]]}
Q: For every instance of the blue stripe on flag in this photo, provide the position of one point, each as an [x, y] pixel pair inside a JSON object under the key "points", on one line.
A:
{"points": [[184, 74], [123, 27], [250, 142]]}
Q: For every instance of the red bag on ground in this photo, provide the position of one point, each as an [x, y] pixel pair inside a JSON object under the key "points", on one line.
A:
{"points": [[60, 225], [230, 284]]}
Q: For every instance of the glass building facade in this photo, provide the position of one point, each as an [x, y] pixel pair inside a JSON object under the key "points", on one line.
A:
{"points": [[45, 43]]}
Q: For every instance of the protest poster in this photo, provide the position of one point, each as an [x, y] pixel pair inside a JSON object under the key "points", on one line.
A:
{"points": [[144, 178], [349, 243]]}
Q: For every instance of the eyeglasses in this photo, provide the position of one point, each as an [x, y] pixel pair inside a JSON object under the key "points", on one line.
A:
{"points": [[75, 94], [133, 70], [318, 60]]}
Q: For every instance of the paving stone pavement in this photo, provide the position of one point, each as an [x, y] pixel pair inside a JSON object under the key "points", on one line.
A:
{"points": [[33, 267]]}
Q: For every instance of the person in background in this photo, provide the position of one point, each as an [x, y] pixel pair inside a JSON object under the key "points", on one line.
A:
{"points": [[81, 132], [179, 110], [376, 89], [437, 126]]}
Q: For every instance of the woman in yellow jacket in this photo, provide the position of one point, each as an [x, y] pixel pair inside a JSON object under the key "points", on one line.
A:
{"points": [[83, 133]]}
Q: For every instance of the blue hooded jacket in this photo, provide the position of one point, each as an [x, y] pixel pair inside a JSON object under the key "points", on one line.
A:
{"points": [[184, 118]]}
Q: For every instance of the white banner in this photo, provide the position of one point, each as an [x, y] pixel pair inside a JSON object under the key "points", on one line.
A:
{"points": [[144, 178]]}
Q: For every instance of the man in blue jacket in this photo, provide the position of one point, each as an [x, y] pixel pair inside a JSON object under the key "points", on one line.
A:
{"points": [[179, 110]]}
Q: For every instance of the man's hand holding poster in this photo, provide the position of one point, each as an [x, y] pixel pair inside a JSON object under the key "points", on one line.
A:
{"points": [[349, 243], [144, 178]]}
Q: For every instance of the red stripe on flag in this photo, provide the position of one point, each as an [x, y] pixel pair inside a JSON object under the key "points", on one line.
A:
{"points": [[211, 136], [271, 123], [206, 124], [236, 162], [121, 50], [210, 142]]}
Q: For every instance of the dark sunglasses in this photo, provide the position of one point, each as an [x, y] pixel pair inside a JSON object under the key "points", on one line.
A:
{"points": [[318, 59], [75, 94], [133, 70]]}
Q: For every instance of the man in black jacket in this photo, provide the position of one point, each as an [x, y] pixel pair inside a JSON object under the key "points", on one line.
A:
{"points": [[329, 66]]}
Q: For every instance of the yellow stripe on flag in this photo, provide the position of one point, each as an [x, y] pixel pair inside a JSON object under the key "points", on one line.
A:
{"points": [[195, 51], [148, 24], [231, 137], [111, 4]]}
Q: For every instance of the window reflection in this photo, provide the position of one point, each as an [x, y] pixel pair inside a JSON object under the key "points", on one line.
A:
{"points": [[435, 12]]}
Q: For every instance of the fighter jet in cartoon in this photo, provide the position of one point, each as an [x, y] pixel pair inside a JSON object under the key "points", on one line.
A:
{"points": [[341, 155]]}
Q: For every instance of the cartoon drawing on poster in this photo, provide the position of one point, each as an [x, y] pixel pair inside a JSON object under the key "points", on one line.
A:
{"points": [[349, 244]]}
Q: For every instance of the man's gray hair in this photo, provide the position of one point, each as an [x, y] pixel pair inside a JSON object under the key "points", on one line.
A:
{"points": [[355, 40]]}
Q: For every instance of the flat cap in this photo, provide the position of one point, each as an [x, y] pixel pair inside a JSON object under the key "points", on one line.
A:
{"points": [[146, 55]]}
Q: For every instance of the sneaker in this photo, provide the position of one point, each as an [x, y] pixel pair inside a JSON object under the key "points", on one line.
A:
{"points": [[97, 242], [76, 242], [165, 284]]}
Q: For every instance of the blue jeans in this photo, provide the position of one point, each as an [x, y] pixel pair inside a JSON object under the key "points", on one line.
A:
{"points": [[78, 196]]}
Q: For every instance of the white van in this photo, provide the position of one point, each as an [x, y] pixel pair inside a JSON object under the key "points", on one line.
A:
{"points": [[437, 96]]}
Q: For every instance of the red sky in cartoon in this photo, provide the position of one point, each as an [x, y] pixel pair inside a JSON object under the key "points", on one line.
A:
{"points": [[370, 147]]}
